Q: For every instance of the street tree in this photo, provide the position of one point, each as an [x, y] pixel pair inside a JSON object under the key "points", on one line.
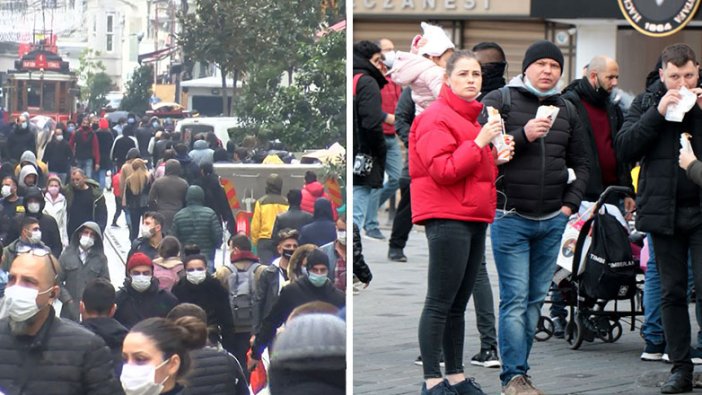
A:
{"points": [[95, 84], [138, 90]]}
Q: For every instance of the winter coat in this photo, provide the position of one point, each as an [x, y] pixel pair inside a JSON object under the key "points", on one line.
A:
{"points": [[57, 209], [423, 76], [143, 245], [85, 145], [105, 142], [216, 199], [120, 148], [360, 268], [75, 274], [214, 299], [291, 296], [647, 137], [267, 291], [50, 233], [140, 200], [143, 135], [62, 358], [190, 169], [534, 182], [8, 211], [197, 224], [21, 140], [113, 333], [201, 152], [390, 95], [310, 193], [215, 372], [28, 157], [134, 306], [368, 119], [126, 169], [98, 210], [58, 156], [404, 117], [323, 229], [9, 253], [168, 272], [452, 178], [575, 93], [294, 218], [27, 170], [267, 209]]}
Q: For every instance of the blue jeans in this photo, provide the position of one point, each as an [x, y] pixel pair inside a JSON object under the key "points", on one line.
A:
{"points": [[525, 254], [393, 168], [102, 173], [86, 165], [361, 196]]}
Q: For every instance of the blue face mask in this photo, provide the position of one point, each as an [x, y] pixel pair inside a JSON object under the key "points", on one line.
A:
{"points": [[130, 121], [317, 280], [155, 124], [531, 88], [71, 128], [24, 125]]}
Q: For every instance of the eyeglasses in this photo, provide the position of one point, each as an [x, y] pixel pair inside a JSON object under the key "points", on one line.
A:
{"points": [[40, 252]]}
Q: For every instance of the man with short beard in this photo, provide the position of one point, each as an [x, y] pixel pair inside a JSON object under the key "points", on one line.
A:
{"points": [[43, 353]]}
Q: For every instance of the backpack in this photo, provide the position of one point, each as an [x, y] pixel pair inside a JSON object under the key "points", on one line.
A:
{"points": [[610, 269], [242, 288]]}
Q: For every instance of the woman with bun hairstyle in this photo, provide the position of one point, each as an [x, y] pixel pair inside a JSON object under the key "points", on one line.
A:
{"points": [[156, 355], [452, 170]]}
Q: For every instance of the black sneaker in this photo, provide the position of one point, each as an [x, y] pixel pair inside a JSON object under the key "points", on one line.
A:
{"points": [[653, 352], [396, 255], [486, 359], [443, 388], [468, 387], [677, 383], [375, 234], [419, 362]]}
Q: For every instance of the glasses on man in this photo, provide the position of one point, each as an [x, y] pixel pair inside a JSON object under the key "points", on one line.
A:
{"points": [[37, 251]]}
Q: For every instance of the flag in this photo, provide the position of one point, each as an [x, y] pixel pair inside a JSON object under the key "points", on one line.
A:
{"points": [[230, 191], [331, 184]]}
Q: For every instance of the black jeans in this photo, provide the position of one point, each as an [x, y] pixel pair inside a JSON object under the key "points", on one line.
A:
{"points": [[135, 214], [402, 224], [118, 209], [456, 251], [484, 309], [672, 256]]}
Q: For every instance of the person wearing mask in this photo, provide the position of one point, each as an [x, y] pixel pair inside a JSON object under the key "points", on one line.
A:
{"points": [[167, 194], [123, 145], [28, 178], [55, 205], [156, 355], [197, 224], [150, 235], [322, 229], [10, 206], [84, 201], [85, 367], [265, 212], [201, 152], [33, 207], [135, 195], [70, 129], [274, 277], [105, 142], [315, 287], [168, 267], [58, 154], [22, 138], [140, 297], [493, 63], [214, 372], [215, 198], [29, 158], [297, 265], [295, 217], [29, 239], [97, 308], [336, 253], [83, 260], [86, 148]]}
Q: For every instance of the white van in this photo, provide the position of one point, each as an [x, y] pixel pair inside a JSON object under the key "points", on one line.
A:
{"points": [[218, 125]]}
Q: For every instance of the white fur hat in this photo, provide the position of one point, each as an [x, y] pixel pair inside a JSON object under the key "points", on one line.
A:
{"points": [[437, 42]]}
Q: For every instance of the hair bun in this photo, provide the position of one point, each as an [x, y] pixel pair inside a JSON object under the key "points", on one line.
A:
{"points": [[193, 332]]}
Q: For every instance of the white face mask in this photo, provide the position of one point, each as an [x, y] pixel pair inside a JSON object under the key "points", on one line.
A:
{"points": [[141, 379], [141, 282], [196, 277], [86, 241], [389, 58], [146, 231], [341, 236], [33, 207], [59, 137], [35, 237], [6, 190], [21, 303]]}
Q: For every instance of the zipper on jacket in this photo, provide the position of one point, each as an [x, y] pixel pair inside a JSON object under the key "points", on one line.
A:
{"points": [[542, 143]]}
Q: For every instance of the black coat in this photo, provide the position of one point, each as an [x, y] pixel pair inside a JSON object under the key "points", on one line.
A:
{"points": [[50, 233], [368, 137], [214, 299], [216, 199], [535, 180], [134, 306], [323, 229], [113, 333], [647, 137], [105, 141], [360, 268], [21, 140], [266, 294], [215, 373], [58, 156], [63, 358], [143, 136], [291, 296], [404, 116], [294, 218], [122, 145]]}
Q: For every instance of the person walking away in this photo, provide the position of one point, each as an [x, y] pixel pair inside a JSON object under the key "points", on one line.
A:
{"points": [[322, 229], [167, 194], [295, 217], [201, 152], [86, 148], [311, 191], [122, 145], [197, 224], [117, 193], [55, 205], [215, 197], [168, 267], [135, 195], [265, 212], [105, 142]]}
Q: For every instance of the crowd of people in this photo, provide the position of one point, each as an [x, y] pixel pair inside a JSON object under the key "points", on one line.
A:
{"points": [[179, 324], [449, 111]]}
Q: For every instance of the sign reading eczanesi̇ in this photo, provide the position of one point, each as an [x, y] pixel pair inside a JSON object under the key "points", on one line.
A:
{"points": [[424, 8], [659, 18]]}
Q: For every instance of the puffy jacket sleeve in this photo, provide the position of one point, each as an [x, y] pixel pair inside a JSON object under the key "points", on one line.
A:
{"points": [[577, 158], [404, 115], [217, 233], [98, 371], [639, 131], [370, 115]]}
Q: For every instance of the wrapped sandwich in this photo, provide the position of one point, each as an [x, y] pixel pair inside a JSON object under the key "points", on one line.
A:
{"points": [[503, 151]]}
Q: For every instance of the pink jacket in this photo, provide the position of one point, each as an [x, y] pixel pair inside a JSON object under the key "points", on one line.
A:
{"points": [[422, 75]]}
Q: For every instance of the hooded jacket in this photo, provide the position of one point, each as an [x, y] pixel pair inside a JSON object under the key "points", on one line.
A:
{"points": [[423, 76], [190, 170], [267, 208], [197, 224], [215, 373], [322, 229], [134, 306], [98, 211], [201, 152], [310, 193], [57, 209], [216, 199], [27, 170], [50, 233], [122, 145], [76, 273], [20, 140], [126, 169], [58, 155], [168, 272], [167, 194], [42, 169], [113, 333]]}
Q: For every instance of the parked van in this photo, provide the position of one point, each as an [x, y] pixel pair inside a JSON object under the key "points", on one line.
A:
{"points": [[190, 127]]}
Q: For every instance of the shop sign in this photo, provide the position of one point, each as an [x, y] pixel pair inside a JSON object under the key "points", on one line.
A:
{"points": [[659, 18]]}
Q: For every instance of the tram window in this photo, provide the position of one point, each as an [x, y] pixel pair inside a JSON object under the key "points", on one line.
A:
{"points": [[33, 94], [49, 99]]}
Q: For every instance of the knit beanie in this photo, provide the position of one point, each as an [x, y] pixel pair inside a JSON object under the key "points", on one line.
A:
{"points": [[139, 259], [540, 50], [437, 42], [317, 257]]}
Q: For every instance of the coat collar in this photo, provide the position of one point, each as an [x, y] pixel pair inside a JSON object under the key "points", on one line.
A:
{"points": [[467, 109]]}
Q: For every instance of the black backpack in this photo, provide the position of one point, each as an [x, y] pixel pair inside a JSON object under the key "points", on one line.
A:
{"points": [[610, 269]]}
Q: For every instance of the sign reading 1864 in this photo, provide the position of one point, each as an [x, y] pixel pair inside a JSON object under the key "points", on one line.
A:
{"points": [[659, 18]]}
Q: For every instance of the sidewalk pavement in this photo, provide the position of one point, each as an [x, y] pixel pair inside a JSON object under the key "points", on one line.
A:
{"points": [[385, 345]]}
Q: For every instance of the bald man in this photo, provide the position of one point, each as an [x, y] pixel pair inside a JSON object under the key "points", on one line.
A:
{"points": [[44, 354]]}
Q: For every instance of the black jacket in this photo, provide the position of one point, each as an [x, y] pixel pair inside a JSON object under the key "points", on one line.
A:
{"points": [[63, 358], [368, 121], [21, 140], [58, 156], [143, 136], [105, 141], [404, 116], [134, 306], [214, 299], [576, 92], [360, 268], [323, 229], [113, 333], [266, 294], [647, 137], [535, 180], [294, 218], [291, 296], [50, 233], [215, 373], [121, 147], [216, 199]]}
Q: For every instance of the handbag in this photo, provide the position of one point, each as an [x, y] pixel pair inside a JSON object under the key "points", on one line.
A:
{"points": [[362, 164]]}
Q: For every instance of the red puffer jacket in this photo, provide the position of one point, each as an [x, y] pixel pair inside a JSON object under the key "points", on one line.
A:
{"points": [[452, 178]]}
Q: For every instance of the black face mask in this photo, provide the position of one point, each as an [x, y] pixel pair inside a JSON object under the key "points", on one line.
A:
{"points": [[493, 75], [287, 253]]}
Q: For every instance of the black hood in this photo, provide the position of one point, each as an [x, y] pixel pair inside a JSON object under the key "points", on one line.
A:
{"points": [[323, 209], [34, 192], [107, 328], [582, 88], [364, 66]]}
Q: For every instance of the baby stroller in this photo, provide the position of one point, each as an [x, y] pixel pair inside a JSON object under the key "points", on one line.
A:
{"points": [[604, 277]]}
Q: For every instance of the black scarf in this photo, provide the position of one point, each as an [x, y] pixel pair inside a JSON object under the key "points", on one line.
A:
{"points": [[597, 97], [493, 76]]}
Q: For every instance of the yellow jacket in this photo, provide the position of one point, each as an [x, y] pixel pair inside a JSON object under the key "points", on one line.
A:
{"points": [[267, 208]]}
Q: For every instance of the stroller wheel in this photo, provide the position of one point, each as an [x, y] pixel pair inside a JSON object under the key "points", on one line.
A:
{"points": [[544, 329], [615, 332], [574, 332]]}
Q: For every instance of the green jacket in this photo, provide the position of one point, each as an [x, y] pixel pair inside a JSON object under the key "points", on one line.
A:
{"points": [[197, 224]]}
